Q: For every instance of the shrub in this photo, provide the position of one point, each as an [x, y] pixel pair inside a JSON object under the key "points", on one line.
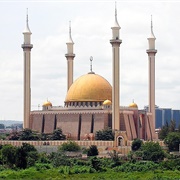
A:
{"points": [[136, 144], [105, 135], [92, 151], [69, 146], [142, 166], [60, 160]]}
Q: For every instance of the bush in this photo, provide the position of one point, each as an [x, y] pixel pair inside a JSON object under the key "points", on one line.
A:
{"points": [[136, 144], [142, 166], [69, 146], [152, 151], [60, 160], [173, 141], [92, 151], [105, 135], [76, 170]]}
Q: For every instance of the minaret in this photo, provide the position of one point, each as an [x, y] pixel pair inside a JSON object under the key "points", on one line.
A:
{"points": [[27, 46], [115, 41], [70, 57], [151, 58]]}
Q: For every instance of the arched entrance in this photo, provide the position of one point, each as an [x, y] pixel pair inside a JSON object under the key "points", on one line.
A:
{"points": [[120, 141]]}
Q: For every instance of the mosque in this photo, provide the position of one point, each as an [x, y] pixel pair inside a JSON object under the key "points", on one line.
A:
{"points": [[91, 103]]}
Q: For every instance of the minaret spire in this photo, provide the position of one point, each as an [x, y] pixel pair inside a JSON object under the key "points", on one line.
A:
{"points": [[152, 34], [116, 21], [27, 46], [70, 38], [27, 29], [70, 57]]}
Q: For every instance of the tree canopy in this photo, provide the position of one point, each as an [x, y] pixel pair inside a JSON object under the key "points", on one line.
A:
{"points": [[105, 135], [173, 140]]}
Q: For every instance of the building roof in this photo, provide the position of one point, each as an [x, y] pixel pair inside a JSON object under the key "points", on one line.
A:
{"points": [[90, 87], [47, 103], [133, 105]]}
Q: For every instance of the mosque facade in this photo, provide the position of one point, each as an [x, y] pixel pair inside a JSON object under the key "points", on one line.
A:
{"points": [[91, 103]]}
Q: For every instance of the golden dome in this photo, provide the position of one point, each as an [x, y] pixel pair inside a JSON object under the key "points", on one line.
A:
{"points": [[90, 87], [133, 105], [47, 103], [107, 102]]}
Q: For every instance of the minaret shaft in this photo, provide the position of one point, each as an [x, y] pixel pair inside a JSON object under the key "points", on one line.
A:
{"points": [[27, 87], [151, 57], [116, 90], [69, 71]]}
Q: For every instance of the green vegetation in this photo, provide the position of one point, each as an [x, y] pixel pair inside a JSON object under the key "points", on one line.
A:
{"points": [[69, 146], [173, 140], [28, 134], [105, 135], [145, 162], [92, 151], [136, 144], [170, 135]]}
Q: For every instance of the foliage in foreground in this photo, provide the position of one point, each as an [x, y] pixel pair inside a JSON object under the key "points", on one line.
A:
{"points": [[81, 173]]}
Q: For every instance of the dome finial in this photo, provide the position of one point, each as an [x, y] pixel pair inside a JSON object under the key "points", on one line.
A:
{"points": [[91, 59]]}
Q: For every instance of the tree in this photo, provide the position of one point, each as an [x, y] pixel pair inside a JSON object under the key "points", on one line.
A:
{"points": [[152, 151], [21, 158], [92, 151], [69, 146], [105, 135], [57, 135], [27, 134], [8, 153], [14, 135], [164, 131], [172, 126], [173, 141], [136, 144]]}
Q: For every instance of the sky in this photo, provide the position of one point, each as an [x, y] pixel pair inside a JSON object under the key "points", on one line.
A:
{"points": [[91, 23]]}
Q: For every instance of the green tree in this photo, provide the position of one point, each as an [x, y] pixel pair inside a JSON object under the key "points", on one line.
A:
{"points": [[8, 155], [152, 151], [136, 144], [21, 158], [57, 135], [105, 135], [92, 151], [173, 140], [14, 135], [172, 126], [28, 134], [69, 146], [164, 131]]}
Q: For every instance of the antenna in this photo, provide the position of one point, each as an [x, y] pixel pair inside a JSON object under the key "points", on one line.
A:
{"points": [[91, 59]]}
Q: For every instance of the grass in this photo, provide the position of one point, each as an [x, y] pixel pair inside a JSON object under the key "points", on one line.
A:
{"points": [[53, 174]]}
